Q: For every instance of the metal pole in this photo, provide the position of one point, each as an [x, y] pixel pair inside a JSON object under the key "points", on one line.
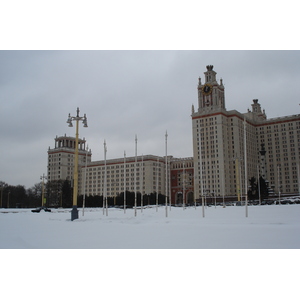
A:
{"points": [[278, 182], [157, 183], [183, 186], [223, 191], [142, 182], [215, 190], [237, 176], [84, 181], [201, 175], [298, 179], [74, 212], [258, 182], [169, 182], [166, 179], [241, 185], [135, 200], [105, 179], [43, 189], [124, 182], [245, 160]]}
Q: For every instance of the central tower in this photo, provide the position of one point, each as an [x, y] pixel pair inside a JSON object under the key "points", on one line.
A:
{"points": [[211, 93], [209, 132]]}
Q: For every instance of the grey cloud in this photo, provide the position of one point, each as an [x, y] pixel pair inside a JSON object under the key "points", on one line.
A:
{"points": [[125, 93]]}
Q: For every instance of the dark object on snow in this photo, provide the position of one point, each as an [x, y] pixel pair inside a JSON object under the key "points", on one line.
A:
{"points": [[38, 209]]}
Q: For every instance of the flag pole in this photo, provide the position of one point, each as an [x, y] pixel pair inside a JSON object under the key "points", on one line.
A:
{"points": [[245, 160], [124, 182], [166, 179], [183, 186], [200, 163], [142, 182], [84, 181], [135, 200], [105, 179], [258, 185], [169, 182], [157, 183]]}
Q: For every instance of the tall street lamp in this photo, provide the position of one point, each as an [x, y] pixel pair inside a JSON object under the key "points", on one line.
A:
{"points": [[43, 190], [74, 212]]}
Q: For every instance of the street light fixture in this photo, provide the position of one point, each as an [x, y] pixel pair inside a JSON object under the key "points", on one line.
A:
{"points": [[74, 212]]}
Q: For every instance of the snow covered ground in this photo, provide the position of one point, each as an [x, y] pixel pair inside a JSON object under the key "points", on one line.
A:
{"points": [[187, 266], [266, 227]]}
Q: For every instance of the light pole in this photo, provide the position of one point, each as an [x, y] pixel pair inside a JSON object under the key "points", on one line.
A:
{"points": [[124, 182], [74, 212], [166, 181], [135, 193], [245, 161], [8, 199], [43, 189], [84, 180]]}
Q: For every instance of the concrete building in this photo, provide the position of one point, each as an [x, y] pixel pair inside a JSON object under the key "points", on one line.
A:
{"points": [[146, 175], [224, 142], [182, 181], [220, 140], [61, 158], [149, 175]]}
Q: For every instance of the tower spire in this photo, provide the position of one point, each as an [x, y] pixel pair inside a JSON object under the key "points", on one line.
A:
{"points": [[211, 93]]}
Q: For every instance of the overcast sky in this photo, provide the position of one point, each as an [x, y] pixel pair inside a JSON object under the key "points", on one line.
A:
{"points": [[124, 93]]}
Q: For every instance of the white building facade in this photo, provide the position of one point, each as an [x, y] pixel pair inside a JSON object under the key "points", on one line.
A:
{"points": [[225, 142], [144, 175]]}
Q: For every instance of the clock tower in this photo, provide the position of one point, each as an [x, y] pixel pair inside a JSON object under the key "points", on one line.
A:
{"points": [[211, 93]]}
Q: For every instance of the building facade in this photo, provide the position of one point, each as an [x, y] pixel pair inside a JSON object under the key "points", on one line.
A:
{"points": [[61, 158], [182, 181], [230, 147], [143, 174]]}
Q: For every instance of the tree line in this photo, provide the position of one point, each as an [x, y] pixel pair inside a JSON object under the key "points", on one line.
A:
{"points": [[59, 193], [18, 197]]}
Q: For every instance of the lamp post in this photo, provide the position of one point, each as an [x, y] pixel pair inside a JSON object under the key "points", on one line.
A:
{"points": [[8, 199], [166, 181], [84, 180], [74, 212], [245, 161], [43, 189], [135, 193], [124, 182]]}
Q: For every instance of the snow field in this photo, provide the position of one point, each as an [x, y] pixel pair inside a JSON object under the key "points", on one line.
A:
{"points": [[183, 256], [266, 227]]}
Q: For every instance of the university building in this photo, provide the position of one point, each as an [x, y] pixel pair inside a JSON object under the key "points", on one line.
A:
{"points": [[144, 174], [228, 144], [61, 158], [224, 142]]}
